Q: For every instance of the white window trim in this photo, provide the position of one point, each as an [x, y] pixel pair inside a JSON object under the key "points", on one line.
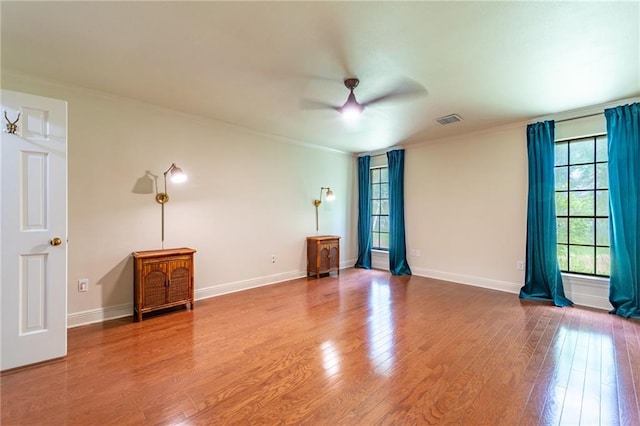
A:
{"points": [[588, 280]]}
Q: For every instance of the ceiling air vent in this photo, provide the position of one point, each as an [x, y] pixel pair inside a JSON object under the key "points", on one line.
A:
{"points": [[448, 119]]}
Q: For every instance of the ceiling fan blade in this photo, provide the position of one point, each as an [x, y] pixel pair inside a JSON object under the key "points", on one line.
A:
{"points": [[312, 104], [406, 89]]}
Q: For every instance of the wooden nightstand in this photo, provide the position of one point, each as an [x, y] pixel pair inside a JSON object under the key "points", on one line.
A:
{"points": [[162, 279], [323, 255]]}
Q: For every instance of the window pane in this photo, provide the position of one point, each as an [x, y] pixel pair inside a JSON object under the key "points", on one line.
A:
{"points": [[384, 206], [384, 190], [581, 152], [562, 153], [384, 223], [581, 231], [602, 232], [602, 203], [375, 207], [581, 177], [384, 240], [602, 176], [384, 175], [563, 257], [375, 236], [562, 178], [581, 203], [581, 259], [375, 223], [562, 231], [601, 149], [375, 175], [603, 266], [375, 190], [562, 203]]}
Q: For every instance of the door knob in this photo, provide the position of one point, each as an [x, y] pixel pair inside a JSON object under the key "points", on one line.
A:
{"points": [[56, 241]]}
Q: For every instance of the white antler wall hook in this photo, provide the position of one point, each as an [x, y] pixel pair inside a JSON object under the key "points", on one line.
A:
{"points": [[12, 127]]}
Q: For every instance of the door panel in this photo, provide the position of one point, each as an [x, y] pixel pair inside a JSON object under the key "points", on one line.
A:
{"points": [[179, 288], [33, 183], [33, 191], [32, 287], [155, 289]]}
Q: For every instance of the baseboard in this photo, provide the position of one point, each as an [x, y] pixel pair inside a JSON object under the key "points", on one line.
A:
{"points": [[468, 280], [582, 291], [232, 287], [77, 319], [218, 290]]}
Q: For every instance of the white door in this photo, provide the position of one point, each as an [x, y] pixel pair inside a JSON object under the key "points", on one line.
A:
{"points": [[33, 235]]}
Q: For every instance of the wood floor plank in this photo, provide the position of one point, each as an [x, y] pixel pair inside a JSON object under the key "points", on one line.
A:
{"points": [[361, 348], [533, 412], [628, 376], [555, 376], [506, 374]]}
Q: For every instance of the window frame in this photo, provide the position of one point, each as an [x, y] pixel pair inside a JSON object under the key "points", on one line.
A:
{"points": [[376, 224], [594, 217]]}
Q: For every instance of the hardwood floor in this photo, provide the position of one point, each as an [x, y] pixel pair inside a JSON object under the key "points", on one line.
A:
{"points": [[359, 349]]}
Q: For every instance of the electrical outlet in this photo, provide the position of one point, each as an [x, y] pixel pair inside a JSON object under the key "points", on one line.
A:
{"points": [[83, 284], [520, 265], [273, 258]]}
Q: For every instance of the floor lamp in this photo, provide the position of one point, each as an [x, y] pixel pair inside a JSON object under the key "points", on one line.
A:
{"points": [[177, 176]]}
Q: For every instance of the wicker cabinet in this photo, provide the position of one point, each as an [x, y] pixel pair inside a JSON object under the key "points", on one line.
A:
{"points": [[323, 255], [162, 279]]}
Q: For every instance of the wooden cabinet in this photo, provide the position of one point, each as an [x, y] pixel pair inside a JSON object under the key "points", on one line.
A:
{"points": [[323, 255], [162, 279]]}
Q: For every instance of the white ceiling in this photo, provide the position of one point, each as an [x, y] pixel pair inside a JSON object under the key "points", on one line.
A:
{"points": [[255, 64]]}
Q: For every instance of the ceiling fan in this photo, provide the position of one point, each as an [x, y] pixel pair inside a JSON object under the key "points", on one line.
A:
{"points": [[352, 109]]}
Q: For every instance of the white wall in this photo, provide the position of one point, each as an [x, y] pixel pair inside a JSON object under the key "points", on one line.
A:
{"points": [[248, 196], [465, 208]]}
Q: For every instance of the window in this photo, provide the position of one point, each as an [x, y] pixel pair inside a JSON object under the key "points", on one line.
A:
{"points": [[582, 205], [380, 207]]}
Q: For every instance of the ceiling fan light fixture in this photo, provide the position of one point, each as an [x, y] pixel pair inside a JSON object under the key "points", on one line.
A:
{"points": [[351, 109]]}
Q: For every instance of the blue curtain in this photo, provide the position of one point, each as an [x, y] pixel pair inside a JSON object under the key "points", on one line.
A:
{"points": [[542, 276], [364, 213], [623, 133], [398, 264]]}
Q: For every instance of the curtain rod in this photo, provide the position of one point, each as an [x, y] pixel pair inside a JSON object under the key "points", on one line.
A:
{"points": [[379, 152], [579, 117]]}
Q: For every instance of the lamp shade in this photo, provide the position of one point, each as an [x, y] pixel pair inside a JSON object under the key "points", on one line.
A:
{"points": [[330, 196], [177, 175], [351, 110]]}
